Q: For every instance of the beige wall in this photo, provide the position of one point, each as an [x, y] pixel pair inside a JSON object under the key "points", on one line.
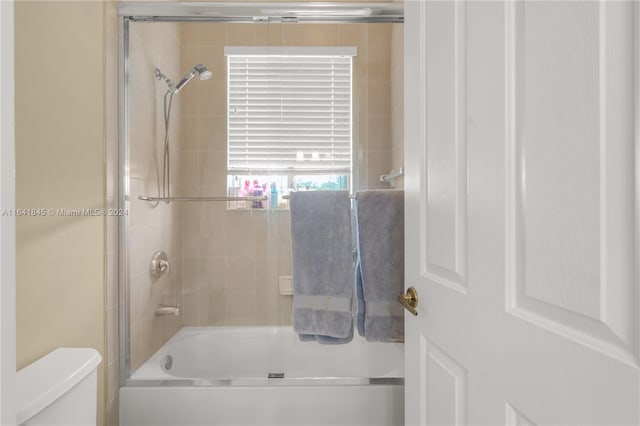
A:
{"points": [[60, 164], [232, 259], [152, 227]]}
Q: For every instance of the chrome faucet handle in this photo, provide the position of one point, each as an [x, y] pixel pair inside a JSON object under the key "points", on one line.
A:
{"points": [[159, 264], [164, 266]]}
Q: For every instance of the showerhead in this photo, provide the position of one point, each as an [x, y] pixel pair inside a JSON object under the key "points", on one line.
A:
{"points": [[205, 73], [199, 69]]}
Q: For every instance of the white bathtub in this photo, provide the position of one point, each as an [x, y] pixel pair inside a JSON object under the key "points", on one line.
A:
{"points": [[220, 376]]}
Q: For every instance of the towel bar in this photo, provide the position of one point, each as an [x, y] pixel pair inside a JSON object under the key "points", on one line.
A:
{"points": [[352, 196], [169, 199]]}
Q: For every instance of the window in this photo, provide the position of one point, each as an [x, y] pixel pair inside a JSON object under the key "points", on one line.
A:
{"points": [[289, 121]]}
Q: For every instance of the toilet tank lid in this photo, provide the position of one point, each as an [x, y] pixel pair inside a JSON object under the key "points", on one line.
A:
{"points": [[47, 379]]}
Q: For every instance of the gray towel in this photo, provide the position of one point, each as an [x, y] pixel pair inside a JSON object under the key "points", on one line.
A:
{"points": [[380, 230], [322, 266]]}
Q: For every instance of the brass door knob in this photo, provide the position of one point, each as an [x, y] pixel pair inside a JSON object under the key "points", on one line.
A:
{"points": [[410, 300]]}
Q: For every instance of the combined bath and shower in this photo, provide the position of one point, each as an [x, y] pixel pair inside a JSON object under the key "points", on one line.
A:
{"points": [[204, 73]]}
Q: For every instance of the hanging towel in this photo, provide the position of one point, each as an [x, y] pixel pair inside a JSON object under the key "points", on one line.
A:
{"points": [[380, 264], [322, 266]]}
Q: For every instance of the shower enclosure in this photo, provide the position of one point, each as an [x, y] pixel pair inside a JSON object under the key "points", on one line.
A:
{"points": [[204, 253]]}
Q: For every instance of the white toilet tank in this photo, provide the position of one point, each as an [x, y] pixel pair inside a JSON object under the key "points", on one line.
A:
{"points": [[59, 389]]}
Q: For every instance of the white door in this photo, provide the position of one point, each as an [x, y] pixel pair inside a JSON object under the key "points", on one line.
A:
{"points": [[522, 197]]}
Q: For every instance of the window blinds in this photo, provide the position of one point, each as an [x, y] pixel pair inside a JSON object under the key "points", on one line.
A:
{"points": [[289, 113]]}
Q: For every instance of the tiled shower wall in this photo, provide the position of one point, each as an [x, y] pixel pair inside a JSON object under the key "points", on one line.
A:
{"points": [[232, 259], [152, 227], [397, 101]]}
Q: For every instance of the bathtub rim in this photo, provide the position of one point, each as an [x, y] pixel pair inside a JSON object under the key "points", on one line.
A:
{"points": [[267, 382]]}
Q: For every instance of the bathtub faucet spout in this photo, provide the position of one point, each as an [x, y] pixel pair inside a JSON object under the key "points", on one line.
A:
{"points": [[167, 310]]}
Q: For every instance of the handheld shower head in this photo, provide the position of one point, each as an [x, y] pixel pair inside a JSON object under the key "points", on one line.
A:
{"points": [[205, 73], [200, 69]]}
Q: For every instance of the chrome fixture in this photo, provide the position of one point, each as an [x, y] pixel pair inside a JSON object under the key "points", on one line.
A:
{"points": [[172, 89], [168, 362], [159, 264], [203, 71], [392, 176], [161, 76], [162, 310], [272, 12], [169, 199], [199, 69]]}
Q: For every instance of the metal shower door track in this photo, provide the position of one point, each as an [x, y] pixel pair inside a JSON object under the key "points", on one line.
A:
{"points": [[263, 12]]}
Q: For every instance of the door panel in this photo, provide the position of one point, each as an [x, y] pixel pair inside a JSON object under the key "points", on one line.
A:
{"points": [[446, 387], [445, 185], [572, 141], [521, 212]]}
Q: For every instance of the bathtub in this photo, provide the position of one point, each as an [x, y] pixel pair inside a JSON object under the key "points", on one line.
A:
{"points": [[265, 376]]}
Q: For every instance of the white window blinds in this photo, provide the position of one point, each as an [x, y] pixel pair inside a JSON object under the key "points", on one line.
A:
{"points": [[290, 111]]}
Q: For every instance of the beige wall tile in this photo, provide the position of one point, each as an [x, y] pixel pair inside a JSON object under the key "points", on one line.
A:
{"points": [[361, 66], [188, 33], [213, 230], [380, 36], [311, 35], [361, 124], [379, 131], [204, 306], [189, 137], [240, 307], [379, 164], [241, 234], [286, 309], [397, 100], [212, 134], [188, 58], [241, 273], [212, 272], [360, 98], [212, 166], [189, 311], [354, 35], [212, 97], [189, 169], [217, 307], [379, 98], [275, 35], [261, 34], [239, 35], [189, 274], [211, 33], [379, 64]]}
